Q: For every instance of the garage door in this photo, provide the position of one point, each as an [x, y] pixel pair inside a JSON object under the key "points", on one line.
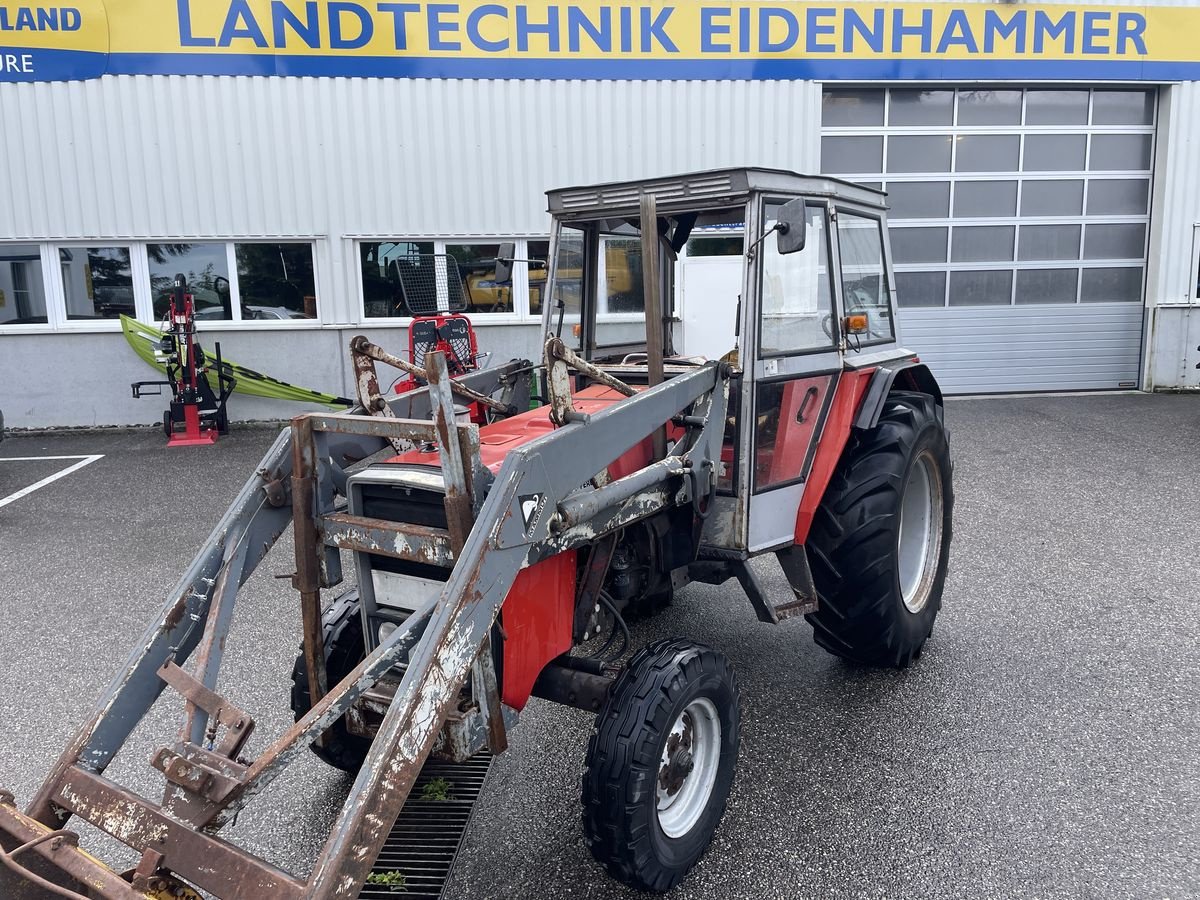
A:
{"points": [[1019, 222]]}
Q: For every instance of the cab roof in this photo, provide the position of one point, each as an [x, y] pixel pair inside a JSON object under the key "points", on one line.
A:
{"points": [[701, 190]]}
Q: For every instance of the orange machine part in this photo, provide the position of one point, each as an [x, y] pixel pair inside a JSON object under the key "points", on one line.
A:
{"points": [[537, 617]]}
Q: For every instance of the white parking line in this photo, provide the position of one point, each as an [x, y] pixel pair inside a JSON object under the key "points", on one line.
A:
{"points": [[24, 492]]}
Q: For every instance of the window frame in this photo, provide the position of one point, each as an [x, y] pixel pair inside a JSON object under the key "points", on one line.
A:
{"points": [[237, 323], [602, 239], [1193, 291], [835, 290], [55, 316], [138, 269], [885, 258], [520, 278], [1025, 179], [139, 265]]}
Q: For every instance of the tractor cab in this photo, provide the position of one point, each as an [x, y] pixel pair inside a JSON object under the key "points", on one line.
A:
{"points": [[799, 297]]}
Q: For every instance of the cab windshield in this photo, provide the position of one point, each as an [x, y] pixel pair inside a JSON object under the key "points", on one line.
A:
{"points": [[598, 285]]}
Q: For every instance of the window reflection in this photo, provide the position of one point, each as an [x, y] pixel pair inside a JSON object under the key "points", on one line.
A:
{"points": [[276, 281], [797, 309], [22, 291], [623, 288], [539, 256], [477, 272], [97, 282], [206, 268], [383, 264], [568, 274]]}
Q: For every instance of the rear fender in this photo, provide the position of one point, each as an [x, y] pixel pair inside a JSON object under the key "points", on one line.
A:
{"points": [[849, 395], [904, 374]]}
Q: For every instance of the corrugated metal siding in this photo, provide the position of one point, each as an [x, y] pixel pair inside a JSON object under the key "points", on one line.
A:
{"points": [[212, 156], [336, 158], [1045, 348]]}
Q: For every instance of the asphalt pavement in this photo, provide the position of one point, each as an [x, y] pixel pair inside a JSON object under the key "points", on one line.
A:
{"points": [[1047, 743]]}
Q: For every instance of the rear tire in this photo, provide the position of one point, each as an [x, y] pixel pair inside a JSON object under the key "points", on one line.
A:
{"points": [[345, 648], [660, 764], [880, 540]]}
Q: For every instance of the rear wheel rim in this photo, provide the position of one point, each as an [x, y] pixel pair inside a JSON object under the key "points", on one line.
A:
{"points": [[688, 768], [919, 542]]}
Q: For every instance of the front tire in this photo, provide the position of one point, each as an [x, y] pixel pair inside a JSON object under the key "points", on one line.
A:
{"points": [[345, 648], [660, 764], [880, 541]]}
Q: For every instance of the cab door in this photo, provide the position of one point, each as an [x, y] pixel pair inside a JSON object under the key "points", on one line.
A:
{"points": [[795, 373]]}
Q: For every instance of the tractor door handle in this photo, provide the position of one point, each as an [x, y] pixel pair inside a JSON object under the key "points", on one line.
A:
{"points": [[809, 396]]}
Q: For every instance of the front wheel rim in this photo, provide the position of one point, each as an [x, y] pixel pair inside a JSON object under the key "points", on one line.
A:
{"points": [[688, 767], [919, 542]]}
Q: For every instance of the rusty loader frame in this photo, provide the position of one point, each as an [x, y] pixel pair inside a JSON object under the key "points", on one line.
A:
{"points": [[445, 642]]}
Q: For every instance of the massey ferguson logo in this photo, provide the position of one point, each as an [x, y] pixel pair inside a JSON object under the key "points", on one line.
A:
{"points": [[531, 510]]}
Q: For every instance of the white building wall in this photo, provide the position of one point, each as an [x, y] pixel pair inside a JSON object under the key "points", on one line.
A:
{"points": [[1173, 325], [169, 157]]}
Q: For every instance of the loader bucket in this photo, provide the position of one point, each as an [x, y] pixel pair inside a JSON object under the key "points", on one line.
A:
{"points": [[38, 863]]}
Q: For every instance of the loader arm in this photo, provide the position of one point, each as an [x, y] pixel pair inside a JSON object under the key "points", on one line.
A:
{"points": [[499, 546], [256, 519], [441, 642]]}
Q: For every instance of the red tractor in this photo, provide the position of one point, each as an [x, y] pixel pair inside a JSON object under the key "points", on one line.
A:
{"points": [[501, 561]]}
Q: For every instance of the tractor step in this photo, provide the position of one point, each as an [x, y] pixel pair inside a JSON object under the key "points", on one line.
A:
{"points": [[801, 603], [429, 831]]}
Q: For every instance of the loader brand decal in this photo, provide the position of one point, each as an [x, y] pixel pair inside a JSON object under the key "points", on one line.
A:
{"points": [[768, 39], [531, 510]]}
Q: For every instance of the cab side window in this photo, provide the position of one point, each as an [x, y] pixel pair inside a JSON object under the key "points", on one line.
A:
{"points": [[797, 300], [864, 278]]}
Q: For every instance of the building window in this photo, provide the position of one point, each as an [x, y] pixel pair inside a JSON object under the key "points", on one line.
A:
{"points": [[206, 268], [1003, 197], [476, 265], [276, 281], [22, 288], [97, 282], [78, 287], [404, 277], [243, 282], [383, 271]]}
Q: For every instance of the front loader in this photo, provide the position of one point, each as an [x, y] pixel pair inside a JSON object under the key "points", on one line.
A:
{"points": [[500, 561]]}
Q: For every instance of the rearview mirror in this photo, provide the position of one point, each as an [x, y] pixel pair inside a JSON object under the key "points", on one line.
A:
{"points": [[790, 226], [504, 261]]}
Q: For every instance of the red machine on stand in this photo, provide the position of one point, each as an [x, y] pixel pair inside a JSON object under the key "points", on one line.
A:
{"points": [[432, 292], [197, 413]]}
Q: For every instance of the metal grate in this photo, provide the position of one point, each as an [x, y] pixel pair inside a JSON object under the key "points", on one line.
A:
{"points": [[430, 283], [429, 833], [606, 196]]}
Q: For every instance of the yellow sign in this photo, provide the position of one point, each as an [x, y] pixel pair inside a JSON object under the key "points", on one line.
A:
{"points": [[598, 39]]}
